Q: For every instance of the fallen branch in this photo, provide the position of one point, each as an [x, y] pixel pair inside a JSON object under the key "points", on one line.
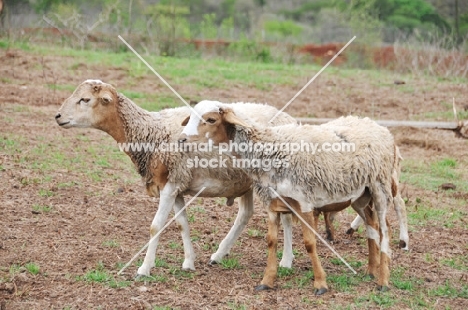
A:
{"points": [[460, 127]]}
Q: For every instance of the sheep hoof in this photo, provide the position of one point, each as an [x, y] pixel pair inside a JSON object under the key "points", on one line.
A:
{"points": [[350, 231], [320, 291], [139, 277], [212, 262], [263, 287], [402, 245], [383, 288]]}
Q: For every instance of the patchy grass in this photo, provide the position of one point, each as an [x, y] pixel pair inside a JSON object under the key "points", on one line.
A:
{"points": [[430, 175], [458, 262], [103, 276], [32, 268], [111, 244], [41, 208], [343, 282], [449, 290], [285, 272], [230, 263]]}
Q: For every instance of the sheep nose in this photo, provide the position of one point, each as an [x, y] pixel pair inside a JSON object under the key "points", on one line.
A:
{"points": [[182, 140], [57, 116]]}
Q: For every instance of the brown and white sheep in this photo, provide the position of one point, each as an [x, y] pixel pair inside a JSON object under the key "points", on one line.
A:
{"points": [[95, 104], [312, 180]]}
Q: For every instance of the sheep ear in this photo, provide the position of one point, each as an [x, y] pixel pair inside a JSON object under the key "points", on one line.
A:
{"points": [[231, 117], [106, 98], [185, 121]]}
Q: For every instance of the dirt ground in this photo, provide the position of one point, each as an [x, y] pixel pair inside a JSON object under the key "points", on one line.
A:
{"points": [[86, 213]]}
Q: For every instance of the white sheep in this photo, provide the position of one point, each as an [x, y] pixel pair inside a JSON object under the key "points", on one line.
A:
{"points": [[221, 131], [95, 104], [311, 180]]}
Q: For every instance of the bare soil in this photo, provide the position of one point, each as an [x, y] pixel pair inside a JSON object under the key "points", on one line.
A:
{"points": [[73, 237]]}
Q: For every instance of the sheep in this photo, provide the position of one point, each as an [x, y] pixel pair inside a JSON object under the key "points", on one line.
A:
{"points": [[312, 180], [95, 104], [222, 129], [398, 203]]}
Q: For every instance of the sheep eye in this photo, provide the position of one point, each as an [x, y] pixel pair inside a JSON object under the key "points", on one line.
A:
{"points": [[211, 120], [85, 100]]}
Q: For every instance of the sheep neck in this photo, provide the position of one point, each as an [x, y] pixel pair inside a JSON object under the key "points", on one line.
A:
{"points": [[141, 127]]}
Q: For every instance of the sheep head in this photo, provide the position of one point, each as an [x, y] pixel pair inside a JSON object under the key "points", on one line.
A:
{"points": [[92, 105], [216, 124]]}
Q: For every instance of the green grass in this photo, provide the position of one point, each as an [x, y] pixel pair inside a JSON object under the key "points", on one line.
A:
{"points": [[255, 233], [32, 268], [422, 213], [343, 282], [430, 175], [230, 263], [66, 87], [41, 208], [459, 262], [305, 279], [285, 272], [104, 277], [234, 305], [175, 245], [402, 282], [110, 243], [351, 261], [210, 73], [279, 253], [181, 274], [45, 193], [449, 290], [154, 278]]}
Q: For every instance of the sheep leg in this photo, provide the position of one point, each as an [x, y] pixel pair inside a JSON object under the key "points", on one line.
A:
{"points": [[400, 209], [363, 207], [373, 241], [329, 217], [320, 282], [288, 256], [358, 221], [272, 239], [381, 202], [182, 223], [166, 202], [243, 216], [316, 214]]}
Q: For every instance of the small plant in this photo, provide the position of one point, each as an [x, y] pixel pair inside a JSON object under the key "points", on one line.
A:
{"points": [[110, 243], [448, 290], [45, 193], [343, 282], [305, 279], [41, 209], [32, 268], [233, 305], [383, 299], [457, 262], [255, 233], [14, 269], [174, 245], [97, 275], [179, 273], [285, 272], [160, 263], [191, 218], [230, 263]]}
